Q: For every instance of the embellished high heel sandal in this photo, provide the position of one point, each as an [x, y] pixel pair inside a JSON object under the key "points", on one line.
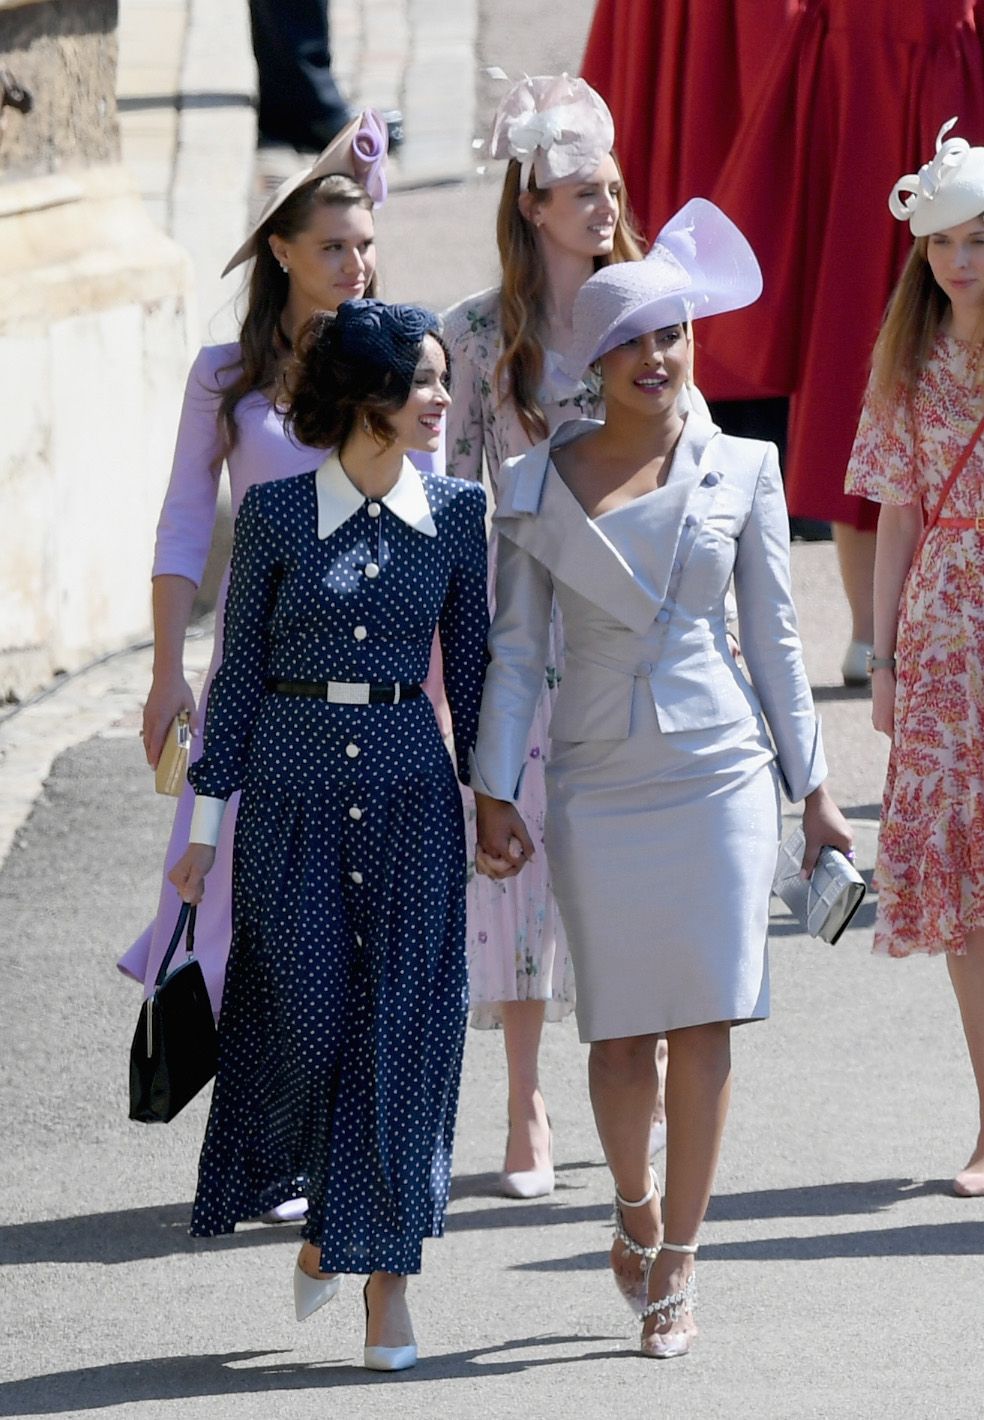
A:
{"points": [[634, 1291], [668, 1310]]}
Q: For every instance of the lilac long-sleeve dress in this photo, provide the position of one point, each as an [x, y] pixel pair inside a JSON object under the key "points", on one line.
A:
{"points": [[263, 453]]}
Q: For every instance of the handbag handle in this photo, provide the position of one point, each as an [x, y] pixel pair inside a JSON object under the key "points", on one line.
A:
{"points": [[186, 915]]}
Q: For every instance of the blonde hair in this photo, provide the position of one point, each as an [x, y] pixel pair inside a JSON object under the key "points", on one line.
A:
{"points": [[522, 313]]}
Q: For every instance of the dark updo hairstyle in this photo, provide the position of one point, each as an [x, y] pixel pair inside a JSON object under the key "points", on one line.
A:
{"points": [[328, 390], [261, 341]]}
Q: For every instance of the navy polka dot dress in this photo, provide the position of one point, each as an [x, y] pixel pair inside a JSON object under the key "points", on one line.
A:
{"points": [[343, 1016]]}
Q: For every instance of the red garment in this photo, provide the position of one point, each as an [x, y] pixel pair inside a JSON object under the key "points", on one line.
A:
{"points": [[857, 94], [668, 73]]}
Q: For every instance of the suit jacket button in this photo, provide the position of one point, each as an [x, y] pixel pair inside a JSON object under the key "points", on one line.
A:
{"points": [[710, 479], [689, 521], [663, 616]]}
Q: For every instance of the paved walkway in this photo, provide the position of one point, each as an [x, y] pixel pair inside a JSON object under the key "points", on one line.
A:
{"points": [[839, 1278]]}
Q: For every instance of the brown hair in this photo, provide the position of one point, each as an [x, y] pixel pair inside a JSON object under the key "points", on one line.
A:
{"points": [[324, 396], [908, 333], [261, 342], [519, 369]]}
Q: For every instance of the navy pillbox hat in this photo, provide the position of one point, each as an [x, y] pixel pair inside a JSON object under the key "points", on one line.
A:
{"points": [[384, 338]]}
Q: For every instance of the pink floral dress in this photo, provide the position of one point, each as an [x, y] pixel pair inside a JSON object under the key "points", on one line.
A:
{"points": [[930, 866], [517, 950]]}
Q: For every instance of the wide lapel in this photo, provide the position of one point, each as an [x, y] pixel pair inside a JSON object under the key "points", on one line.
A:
{"points": [[662, 527], [538, 512]]}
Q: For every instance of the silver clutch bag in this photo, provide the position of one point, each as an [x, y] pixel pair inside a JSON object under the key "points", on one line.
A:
{"points": [[824, 902]]}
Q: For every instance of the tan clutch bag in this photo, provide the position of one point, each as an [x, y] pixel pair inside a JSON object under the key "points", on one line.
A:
{"points": [[171, 773]]}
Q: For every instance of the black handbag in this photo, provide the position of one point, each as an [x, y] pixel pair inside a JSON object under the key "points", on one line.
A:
{"points": [[173, 1052]]}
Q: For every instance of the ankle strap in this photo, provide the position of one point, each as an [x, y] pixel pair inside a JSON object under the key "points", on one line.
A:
{"points": [[638, 1202], [675, 1247]]}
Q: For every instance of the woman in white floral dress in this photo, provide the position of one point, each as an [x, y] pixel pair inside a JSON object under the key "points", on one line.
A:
{"points": [[923, 422], [561, 216]]}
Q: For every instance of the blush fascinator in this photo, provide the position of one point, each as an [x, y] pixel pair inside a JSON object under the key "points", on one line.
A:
{"points": [[556, 127], [700, 265], [946, 191], [358, 152]]}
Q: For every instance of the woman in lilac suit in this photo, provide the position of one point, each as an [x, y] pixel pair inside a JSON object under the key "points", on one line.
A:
{"points": [[312, 248]]}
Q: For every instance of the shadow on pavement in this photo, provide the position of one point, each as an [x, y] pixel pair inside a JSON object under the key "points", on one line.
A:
{"points": [[138, 1234], [129, 1383], [131, 1235]]}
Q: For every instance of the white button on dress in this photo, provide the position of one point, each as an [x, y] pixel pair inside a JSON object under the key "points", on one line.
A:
{"points": [[360, 633], [374, 510], [352, 750], [356, 876], [372, 570], [355, 812]]}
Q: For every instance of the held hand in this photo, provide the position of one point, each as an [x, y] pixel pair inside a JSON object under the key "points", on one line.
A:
{"points": [[883, 701], [504, 845], [167, 698], [824, 826], [188, 873]]}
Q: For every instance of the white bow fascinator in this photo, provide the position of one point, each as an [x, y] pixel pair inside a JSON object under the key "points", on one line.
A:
{"points": [[946, 191], [699, 265], [358, 152], [557, 127]]}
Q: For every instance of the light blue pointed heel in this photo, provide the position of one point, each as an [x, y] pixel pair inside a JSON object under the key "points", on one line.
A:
{"points": [[386, 1358], [311, 1293]]}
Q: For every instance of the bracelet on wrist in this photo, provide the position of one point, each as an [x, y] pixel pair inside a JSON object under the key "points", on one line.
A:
{"points": [[879, 663]]}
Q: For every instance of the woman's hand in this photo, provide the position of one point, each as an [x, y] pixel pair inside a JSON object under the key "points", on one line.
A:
{"points": [[504, 845], [188, 873], [824, 826], [883, 700], [168, 697]]}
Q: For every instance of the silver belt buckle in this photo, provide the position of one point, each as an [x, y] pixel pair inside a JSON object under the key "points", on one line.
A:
{"points": [[348, 692]]}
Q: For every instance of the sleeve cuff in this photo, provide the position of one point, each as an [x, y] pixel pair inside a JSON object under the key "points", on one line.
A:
{"points": [[206, 820]]}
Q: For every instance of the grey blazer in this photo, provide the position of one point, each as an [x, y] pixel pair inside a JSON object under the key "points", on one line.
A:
{"points": [[659, 615]]}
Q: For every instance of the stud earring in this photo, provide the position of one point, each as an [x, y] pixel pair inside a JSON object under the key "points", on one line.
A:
{"points": [[365, 425]]}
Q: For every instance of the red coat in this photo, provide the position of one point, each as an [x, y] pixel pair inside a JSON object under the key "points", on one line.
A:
{"points": [[857, 94], [668, 71]]}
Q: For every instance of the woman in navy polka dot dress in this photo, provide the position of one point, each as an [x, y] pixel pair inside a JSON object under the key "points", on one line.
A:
{"points": [[343, 1018]]}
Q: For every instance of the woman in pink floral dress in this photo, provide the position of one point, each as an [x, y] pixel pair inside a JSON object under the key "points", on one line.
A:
{"points": [[923, 417], [561, 216]]}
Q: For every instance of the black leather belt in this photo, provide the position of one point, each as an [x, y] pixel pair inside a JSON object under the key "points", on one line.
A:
{"points": [[345, 692]]}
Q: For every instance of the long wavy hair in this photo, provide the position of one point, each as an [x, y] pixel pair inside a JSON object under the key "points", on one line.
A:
{"points": [[262, 342], [522, 299], [912, 323]]}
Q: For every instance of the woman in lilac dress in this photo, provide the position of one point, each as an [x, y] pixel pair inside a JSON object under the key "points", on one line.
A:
{"points": [[312, 248]]}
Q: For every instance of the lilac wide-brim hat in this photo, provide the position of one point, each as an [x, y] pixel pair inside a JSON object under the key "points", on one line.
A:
{"points": [[945, 192], [557, 127], [700, 265], [358, 151]]}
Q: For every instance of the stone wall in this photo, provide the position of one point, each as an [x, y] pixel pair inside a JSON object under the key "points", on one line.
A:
{"points": [[96, 321]]}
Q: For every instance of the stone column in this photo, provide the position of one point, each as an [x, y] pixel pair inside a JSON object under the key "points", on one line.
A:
{"points": [[95, 329]]}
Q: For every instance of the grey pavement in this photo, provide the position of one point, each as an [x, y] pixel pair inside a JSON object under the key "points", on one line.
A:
{"points": [[839, 1278]]}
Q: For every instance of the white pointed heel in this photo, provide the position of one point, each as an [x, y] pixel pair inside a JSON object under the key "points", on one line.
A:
{"points": [[386, 1358], [293, 1211], [669, 1309], [634, 1291], [311, 1293]]}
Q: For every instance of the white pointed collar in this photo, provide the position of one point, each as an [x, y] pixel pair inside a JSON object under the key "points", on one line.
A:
{"points": [[338, 498]]}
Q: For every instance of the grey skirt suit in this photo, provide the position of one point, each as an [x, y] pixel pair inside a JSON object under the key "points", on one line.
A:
{"points": [[665, 759]]}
